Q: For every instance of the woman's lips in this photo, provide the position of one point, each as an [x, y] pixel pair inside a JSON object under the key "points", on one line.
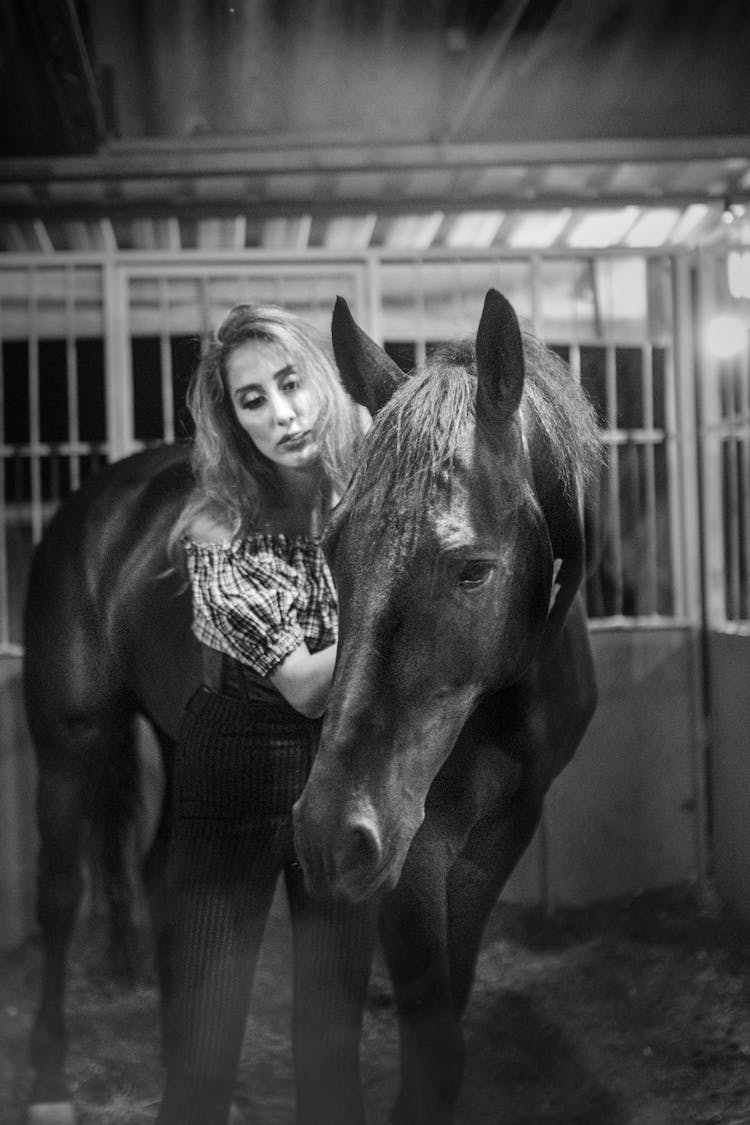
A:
{"points": [[294, 441]]}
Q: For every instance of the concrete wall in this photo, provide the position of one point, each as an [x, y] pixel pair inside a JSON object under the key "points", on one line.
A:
{"points": [[625, 816], [18, 840], [730, 767]]}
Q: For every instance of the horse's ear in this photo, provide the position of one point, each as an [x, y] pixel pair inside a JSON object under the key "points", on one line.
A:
{"points": [[369, 375], [500, 363]]}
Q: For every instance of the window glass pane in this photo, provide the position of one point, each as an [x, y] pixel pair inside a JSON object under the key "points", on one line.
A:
{"points": [[621, 298], [567, 299], [660, 304]]}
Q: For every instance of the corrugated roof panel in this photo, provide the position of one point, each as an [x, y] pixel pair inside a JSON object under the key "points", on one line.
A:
{"points": [[473, 229], [413, 232], [653, 227], [601, 228], [538, 230]]}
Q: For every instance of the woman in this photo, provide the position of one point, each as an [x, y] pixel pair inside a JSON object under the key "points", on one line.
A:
{"points": [[275, 441]]}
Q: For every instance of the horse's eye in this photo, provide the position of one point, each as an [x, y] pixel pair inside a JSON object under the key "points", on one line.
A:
{"points": [[475, 573]]}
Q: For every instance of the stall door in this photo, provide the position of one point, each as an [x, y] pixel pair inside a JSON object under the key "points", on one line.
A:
{"points": [[724, 398]]}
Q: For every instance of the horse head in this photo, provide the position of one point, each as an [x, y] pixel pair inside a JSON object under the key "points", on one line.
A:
{"points": [[443, 565]]}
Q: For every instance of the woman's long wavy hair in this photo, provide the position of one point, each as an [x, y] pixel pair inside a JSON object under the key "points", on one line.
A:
{"points": [[231, 475]]}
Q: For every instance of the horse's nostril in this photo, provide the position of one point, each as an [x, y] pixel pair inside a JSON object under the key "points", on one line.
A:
{"points": [[363, 850]]}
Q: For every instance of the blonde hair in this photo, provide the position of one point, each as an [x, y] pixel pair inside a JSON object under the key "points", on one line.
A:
{"points": [[231, 475]]}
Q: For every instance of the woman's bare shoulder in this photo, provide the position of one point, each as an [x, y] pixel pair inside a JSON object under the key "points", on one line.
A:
{"points": [[208, 526]]}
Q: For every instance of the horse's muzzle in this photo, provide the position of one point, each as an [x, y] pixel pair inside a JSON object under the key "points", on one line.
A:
{"points": [[342, 861]]}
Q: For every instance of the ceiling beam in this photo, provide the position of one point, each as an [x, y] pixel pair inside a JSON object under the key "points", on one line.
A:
{"points": [[179, 161], [160, 208], [340, 180]]}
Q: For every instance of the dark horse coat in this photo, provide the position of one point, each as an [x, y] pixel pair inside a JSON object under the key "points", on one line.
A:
{"points": [[449, 716]]}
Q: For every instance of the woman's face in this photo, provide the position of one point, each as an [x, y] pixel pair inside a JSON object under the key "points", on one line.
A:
{"points": [[273, 403]]}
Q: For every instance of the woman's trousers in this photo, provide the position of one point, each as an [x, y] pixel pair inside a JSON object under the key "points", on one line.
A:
{"points": [[239, 769]]}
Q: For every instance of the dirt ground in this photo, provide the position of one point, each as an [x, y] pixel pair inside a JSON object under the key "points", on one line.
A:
{"points": [[634, 1013]]}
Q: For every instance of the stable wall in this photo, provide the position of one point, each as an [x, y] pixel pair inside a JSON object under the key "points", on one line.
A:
{"points": [[729, 660], [625, 816], [18, 838]]}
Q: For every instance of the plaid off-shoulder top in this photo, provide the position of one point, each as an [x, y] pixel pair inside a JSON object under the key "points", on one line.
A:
{"points": [[258, 599]]}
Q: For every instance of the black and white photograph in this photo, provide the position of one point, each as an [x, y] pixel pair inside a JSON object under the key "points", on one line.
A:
{"points": [[374, 562]]}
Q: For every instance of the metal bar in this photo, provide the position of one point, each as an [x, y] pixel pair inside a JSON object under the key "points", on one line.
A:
{"points": [[219, 155], [649, 456], [43, 448], [458, 300], [118, 375], [165, 355], [71, 375], [148, 201], [536, 303], [682, 449], [743, 466], [743, 442], [190, 261], [34, 427], [708, 397], [4, 614], [205, 312], [372, 281], [613, 482], [420, 353], [730, 460]]}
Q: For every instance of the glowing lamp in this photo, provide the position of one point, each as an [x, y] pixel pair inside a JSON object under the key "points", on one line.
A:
{"points": [[726, 336]]}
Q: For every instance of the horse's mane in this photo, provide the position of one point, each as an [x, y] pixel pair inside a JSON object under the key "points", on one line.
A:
{"points": [[415, 436]]}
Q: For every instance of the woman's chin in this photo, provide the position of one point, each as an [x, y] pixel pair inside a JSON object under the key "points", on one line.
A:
{"points": [[305, 456]]}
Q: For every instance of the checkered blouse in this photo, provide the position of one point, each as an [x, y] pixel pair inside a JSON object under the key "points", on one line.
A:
{"points": [[258, 599]]}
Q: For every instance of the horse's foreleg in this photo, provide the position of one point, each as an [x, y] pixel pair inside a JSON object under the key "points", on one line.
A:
{"points": [[475, 881], [413, 927], [59, 890], [519, 761]]}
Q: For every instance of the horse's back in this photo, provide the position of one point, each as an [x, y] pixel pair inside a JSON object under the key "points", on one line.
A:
{"points": [[98, 630]]}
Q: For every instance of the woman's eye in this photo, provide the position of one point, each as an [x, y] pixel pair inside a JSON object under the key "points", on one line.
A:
{"points": [[474, 574], [252, 403], [291, 384]]}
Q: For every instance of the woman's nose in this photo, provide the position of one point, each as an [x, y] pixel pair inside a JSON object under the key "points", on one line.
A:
{"points": [[283, 410]]}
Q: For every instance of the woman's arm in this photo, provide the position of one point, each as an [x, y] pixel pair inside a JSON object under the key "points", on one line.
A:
{"points": [[304, 679]]}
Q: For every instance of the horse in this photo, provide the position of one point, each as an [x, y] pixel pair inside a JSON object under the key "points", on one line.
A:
{"points": [[464, 678], [107, 636], [107, 631]]}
